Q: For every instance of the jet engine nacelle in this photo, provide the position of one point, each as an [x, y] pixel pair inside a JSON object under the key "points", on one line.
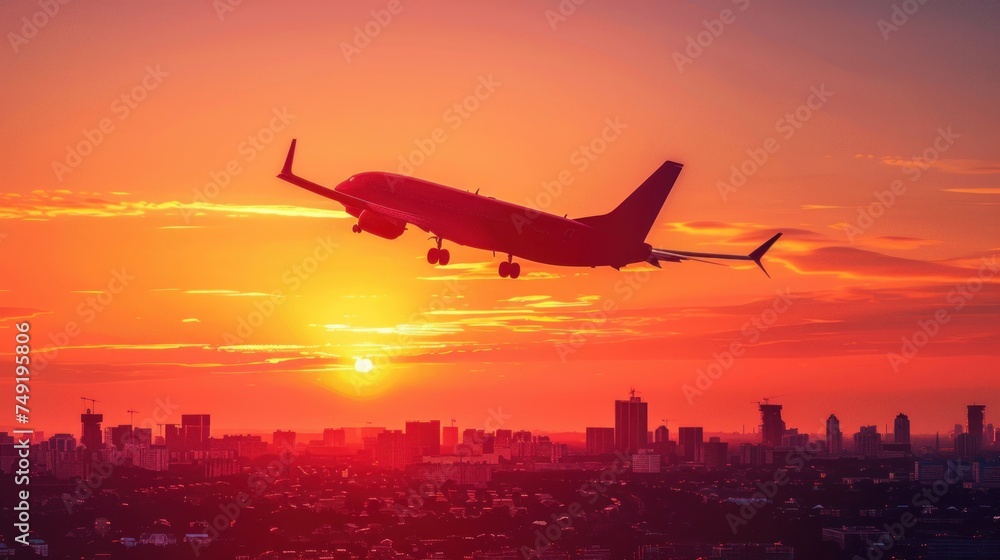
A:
{"points": [[382, 226]]}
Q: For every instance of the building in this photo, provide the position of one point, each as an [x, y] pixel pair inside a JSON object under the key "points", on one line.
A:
{"points": [[867, 442], [90, 434], [977, 416], [661, 435], [335, 437], [646, 462], [390, 450], [772, 427], [690, 441], [600, 440], [449, 439], [834, 437], [901, 429], [991, 436], [423, 438], [283, 439], [630, 425], [195, 430], [716, 454]]}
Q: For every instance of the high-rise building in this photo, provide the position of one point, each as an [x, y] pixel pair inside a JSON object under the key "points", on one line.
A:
{"points": [[390, 450], [834, 437], [423, 438], [334, 437], [690, 442], [600, 440], [195, 431], [449, 439], [901, 429], [772, 427], [867, 441], [283, 439], [662, 434], [90, 434], [173, 437], [630, 425], [977, 417], [716, 454], [991, 436]]}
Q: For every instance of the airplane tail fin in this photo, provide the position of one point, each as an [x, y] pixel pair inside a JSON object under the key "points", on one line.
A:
{"points": [[635, 216]]}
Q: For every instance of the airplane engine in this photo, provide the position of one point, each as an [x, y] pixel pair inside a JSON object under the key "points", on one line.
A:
{"points": [[382, 226]]}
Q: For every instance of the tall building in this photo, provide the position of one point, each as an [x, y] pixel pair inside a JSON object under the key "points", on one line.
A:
{"points": [[716, 454], [834, 437], [867, 441], [173, 437], [901, 429], [90, 434], [772, 427], [334, 437], [283, 439], [423, 438], [662, 434], [195, 431], [600, 440], [690, 442], [504, 438], [991, 436], [630, 425], [449, 439], [390, 450], [977, 417]]}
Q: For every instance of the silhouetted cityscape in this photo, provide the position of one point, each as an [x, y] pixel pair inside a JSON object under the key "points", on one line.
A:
{"points": [[488, 492]]}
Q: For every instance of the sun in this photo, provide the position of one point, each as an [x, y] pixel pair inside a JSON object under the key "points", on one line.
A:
{"points": [[363, 365]]}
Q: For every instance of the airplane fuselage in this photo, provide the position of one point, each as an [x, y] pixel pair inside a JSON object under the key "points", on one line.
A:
{"points": [[482, 222]]}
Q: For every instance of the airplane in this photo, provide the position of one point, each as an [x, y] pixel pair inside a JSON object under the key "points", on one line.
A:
{"points": [[385, 203]]}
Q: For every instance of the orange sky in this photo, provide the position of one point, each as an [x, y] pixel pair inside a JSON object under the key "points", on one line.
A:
{"points": [[458, 341]]}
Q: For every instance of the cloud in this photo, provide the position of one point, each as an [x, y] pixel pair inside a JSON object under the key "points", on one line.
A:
{"points": [[956, 166], [849, 262]]}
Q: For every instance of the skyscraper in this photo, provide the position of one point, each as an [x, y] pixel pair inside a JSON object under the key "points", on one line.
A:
{"points": [[866, 442], [334, 437], [423, 438], [834, 438], [600, 440], [716, 454], [283, 439], [690, 443], [449, 439], [991, 435], [977, 416], [390, 451], [630, 425], [772, 427], [90, 434], [901, 429], [195, 431], [661, 434]]}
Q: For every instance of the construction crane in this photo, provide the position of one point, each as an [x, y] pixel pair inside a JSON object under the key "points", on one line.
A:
{"points": [[452, 422], [665, 420], [93, 403], [632, 392], [130, 414], [767, 400]]}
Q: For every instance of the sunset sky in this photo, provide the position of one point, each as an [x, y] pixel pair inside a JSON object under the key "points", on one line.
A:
{"points": [[175, 206]]}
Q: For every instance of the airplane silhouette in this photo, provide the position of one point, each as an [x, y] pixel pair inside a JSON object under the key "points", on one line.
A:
{"points": [[384, 203]]}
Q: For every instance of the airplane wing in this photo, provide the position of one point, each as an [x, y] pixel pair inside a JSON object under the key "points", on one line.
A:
{"points": [[669, 255], [345, 199]]}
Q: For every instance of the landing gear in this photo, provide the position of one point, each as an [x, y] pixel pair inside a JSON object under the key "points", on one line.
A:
{"points": [[437, 255], [509, 268], [356, 228]]}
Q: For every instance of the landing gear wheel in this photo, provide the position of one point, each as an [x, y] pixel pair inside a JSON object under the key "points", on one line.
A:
{"points": [[443, 257], [433, 255], [504, 269], [515, 270], [356, 228]]}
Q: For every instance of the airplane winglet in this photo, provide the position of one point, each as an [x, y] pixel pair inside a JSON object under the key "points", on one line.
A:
{"points": [[758, 253], [287, 169]]}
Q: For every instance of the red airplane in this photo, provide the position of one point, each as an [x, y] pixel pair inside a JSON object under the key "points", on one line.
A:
{"points": [[384, 203]]}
